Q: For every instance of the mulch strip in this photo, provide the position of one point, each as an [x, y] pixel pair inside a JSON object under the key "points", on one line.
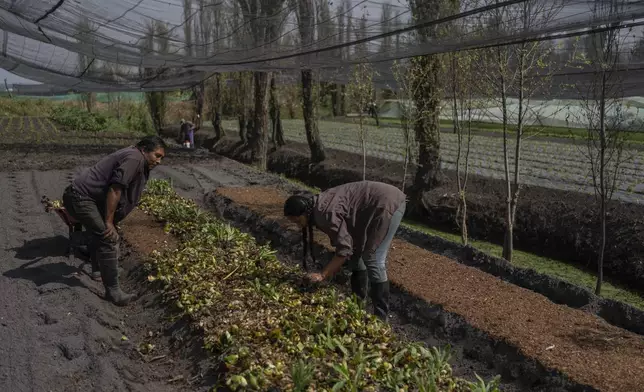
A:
{"points": [[578, 344], [145, 234]]}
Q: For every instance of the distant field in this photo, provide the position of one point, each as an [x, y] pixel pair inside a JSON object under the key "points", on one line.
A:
{"points": [[549, 164]]}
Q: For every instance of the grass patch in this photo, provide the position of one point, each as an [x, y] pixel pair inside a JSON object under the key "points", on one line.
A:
{"points": [[544, 265]]}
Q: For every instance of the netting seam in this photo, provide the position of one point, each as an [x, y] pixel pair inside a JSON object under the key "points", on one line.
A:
{"points": [[51, 11]]}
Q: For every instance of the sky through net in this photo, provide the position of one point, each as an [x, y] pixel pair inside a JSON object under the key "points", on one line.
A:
{"points": [[147, 45]]}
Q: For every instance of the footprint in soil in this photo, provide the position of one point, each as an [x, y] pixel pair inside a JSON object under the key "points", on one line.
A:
{"points": [[47, 318], [71, 347]]}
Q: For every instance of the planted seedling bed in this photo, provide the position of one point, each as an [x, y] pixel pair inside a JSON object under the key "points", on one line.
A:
{"points": [[531, 337], [265, 328]]}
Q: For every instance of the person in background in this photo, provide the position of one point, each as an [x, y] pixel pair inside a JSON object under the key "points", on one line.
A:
{"points": [[360, 219], [187, 133], [104, 194]]}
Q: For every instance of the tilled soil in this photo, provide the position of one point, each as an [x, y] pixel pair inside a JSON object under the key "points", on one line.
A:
{"points": [[58, 334], [554, 223], [582, 346]]}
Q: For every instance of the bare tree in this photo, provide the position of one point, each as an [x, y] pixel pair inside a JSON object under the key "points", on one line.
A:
{"points": [[603, 109], [265, 20], [462, 85], [86, 65], [216, 94], [337, 98], [404, 92], [215, 33], [157, 39], [277, 133], [306, 19], [428, 93], [360, 91], [386, 20], [521, 71], [243, 104]]}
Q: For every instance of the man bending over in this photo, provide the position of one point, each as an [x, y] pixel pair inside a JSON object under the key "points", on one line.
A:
{"points": [[104, 194]]}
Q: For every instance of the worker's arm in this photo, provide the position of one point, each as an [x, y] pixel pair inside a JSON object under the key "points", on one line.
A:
{"points": [[111, 204], [333, 267]]}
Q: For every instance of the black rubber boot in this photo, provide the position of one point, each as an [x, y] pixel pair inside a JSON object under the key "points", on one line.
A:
{"points": [[359, 281], [110, 276], [96, 269], [380, 299]]}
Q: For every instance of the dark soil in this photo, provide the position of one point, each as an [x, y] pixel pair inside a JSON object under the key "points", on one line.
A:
{"points": [[580, 345], [36, 275], [28, 156], [58, 334], [554, 223]]}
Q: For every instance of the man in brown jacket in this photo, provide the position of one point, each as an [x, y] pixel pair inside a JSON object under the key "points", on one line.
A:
{"points": [[361, 219]]}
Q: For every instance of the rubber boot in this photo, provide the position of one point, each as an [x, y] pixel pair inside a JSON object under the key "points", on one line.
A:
{"points": [[96, 269], [380, 299], [359, 282], [110, 275]]}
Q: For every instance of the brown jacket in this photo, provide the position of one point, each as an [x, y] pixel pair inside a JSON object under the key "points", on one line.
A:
{"points": [[356, 215]]}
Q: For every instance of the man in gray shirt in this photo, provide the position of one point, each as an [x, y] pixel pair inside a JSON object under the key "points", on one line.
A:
{"points": [[102, 195]]}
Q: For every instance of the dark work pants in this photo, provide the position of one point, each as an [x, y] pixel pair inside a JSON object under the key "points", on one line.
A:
{"points": [[91, 216]]}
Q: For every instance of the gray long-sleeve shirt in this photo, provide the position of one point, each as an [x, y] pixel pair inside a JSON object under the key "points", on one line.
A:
{"points": [[356, 215]]}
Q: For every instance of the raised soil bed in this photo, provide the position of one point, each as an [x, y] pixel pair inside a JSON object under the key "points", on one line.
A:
{"points": [[554, 223], [520, 332]]}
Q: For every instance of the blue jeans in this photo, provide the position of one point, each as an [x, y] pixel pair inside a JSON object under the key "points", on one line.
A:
{"points": [[376, 267]]}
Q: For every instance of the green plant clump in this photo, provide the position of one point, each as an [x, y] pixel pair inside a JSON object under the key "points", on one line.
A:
{"points": [[79, 119], [266, 328]]}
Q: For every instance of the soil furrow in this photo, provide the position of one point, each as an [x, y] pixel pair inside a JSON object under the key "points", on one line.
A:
{"points": [[58, 334]]}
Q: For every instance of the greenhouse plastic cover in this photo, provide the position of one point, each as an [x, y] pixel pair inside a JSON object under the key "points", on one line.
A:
{"points": [[147, 45]]}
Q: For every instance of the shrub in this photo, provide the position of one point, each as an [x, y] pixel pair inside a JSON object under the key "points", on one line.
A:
{"points": [[78, 119]]}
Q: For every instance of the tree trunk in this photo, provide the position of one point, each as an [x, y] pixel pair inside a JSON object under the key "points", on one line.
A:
{"points": [[241, 119], [602, 184], [461, 216], [404, 123], [156, 106], [277, 134], [259, 137], [216, 116], [335, 101], [342, 101], [90, 101], [427, 128], [363, 141], [199, 95], [6, 86], [310, 122]]}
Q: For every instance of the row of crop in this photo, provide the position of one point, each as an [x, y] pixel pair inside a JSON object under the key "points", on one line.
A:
{"points": [[554, 173], [266, 328], [391, 139]]}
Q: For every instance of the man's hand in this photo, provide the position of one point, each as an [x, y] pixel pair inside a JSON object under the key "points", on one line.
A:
{"points": [[110, 232], [314, 277]]}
